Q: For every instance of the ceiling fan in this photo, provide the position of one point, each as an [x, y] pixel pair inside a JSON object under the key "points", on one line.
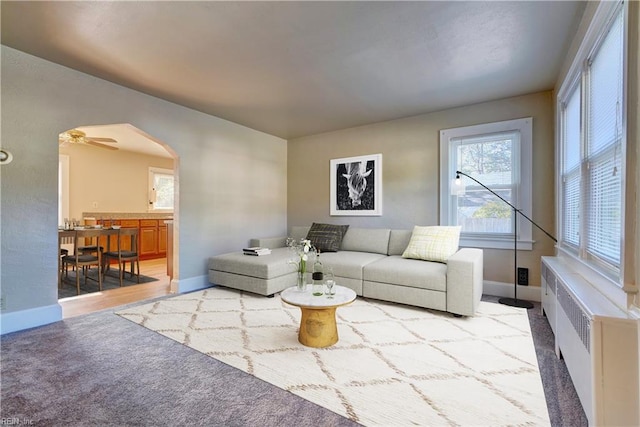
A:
{"points": [[76, 136]]}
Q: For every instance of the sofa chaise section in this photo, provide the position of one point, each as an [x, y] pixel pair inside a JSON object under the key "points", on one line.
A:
{"points": [[264, 275]]}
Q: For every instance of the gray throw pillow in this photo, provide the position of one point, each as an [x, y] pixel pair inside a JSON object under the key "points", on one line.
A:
{"points": [[327, 237]]}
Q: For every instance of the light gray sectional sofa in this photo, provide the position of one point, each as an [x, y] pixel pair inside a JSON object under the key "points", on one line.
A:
{"points": [[370, 262]]}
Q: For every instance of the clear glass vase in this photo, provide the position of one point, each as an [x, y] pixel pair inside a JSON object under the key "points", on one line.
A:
{"points": [[302, 282]]}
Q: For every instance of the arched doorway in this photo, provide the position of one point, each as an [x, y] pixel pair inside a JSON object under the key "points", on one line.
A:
{"points": [[104, 185]]}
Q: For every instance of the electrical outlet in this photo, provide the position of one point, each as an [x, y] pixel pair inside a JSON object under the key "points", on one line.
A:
{"points": [[94, 204], [2, 303], [523, 276]]}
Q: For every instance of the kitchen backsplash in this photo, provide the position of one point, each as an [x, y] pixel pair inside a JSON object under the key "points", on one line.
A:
{"points": [[124, 215]]}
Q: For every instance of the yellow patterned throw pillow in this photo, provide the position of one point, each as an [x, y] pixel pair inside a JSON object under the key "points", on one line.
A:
{"points": [[435, 243]]}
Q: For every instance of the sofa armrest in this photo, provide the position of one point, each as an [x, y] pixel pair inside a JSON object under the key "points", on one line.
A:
{"points": [[269, 242], [464, 281]]}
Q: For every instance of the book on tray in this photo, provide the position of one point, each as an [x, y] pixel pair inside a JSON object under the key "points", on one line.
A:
{"points": [[256, 250]]}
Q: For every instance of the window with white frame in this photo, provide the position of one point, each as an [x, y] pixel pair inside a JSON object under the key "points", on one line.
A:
{"points": [[498, 155], [160, 189], [591, 147]]}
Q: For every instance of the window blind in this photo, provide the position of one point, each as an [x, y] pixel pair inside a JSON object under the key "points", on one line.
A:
{"points": [[605, 90], [603, 187], [571, 217], [571, 170], [604, 225]]}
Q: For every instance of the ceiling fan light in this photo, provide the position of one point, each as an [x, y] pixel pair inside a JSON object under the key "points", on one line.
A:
{"points": [[76, 136]]}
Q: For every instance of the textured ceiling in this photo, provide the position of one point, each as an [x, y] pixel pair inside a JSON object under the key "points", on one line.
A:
{"points": [[298, 68]]}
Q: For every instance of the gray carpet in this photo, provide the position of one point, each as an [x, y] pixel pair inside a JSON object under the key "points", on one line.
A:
{"points": [[110, 281], [101, 369], [562, 400]]}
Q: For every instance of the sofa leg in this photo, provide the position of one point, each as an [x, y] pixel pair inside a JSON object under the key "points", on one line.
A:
{"points": [[271, 296], [457, 315]]}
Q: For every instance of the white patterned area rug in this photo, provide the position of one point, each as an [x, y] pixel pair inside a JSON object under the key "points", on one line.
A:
{"points": [[393, 364]]}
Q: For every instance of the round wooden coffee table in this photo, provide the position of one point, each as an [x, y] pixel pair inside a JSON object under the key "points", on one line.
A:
{"points": [[318, 323]]}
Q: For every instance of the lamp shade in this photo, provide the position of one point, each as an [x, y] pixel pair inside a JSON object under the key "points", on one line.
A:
{"points": [[457, 186]]}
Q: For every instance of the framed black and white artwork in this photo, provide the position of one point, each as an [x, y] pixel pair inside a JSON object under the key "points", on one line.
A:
{"points": [[356, 185]]}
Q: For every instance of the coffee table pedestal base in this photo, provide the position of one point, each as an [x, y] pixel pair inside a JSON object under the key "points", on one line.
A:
{"points": [[318, 314], [318, 327]]}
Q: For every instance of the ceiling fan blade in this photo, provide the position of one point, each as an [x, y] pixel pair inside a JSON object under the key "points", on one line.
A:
{"points": [[93, 138], [97, 144]]}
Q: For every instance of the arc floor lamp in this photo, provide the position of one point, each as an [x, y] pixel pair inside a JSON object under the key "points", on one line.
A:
{"points": [[458, 188]]}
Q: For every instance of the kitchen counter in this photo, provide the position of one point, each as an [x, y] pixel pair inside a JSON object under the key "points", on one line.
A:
{"points": [[127, 215]]}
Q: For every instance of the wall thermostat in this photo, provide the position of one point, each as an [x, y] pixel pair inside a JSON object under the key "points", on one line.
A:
{"points": [[5, 157]]}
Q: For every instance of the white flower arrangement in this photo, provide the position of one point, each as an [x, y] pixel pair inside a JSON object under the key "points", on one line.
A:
{"points": [[303, 248]]}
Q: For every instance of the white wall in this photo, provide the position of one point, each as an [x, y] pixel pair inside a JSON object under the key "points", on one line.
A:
{"points": [[232, 179]]}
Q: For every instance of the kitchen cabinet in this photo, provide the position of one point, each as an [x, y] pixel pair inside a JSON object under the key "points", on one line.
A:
{"points": [[152, 236], [148, 237]]}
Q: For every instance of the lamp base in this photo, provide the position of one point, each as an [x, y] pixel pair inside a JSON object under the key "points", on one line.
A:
{"points": [[515, 302]]}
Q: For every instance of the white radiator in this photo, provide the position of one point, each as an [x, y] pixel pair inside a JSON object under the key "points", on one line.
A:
{"points": [[599, 344]]}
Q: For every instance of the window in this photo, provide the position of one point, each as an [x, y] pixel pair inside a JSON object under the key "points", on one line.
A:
{"points": [[499, 156], [592, 119], [160, 189]]}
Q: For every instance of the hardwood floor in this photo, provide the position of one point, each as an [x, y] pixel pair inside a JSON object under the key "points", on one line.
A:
{"points": [[97, 301]]}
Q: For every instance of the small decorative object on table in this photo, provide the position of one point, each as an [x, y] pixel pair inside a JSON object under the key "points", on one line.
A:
{"points": [[302, 248]]}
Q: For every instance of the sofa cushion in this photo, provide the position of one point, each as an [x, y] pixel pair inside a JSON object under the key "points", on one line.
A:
{"points": [[348, 264], [398, 241], [299, 232], [374, 240], [326, 237], [436, 243], [264, 267], [408, 272]]}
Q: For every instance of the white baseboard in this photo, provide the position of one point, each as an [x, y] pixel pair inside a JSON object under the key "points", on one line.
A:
{"points": [[30, 318], [501, 289], [191, 284]]}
